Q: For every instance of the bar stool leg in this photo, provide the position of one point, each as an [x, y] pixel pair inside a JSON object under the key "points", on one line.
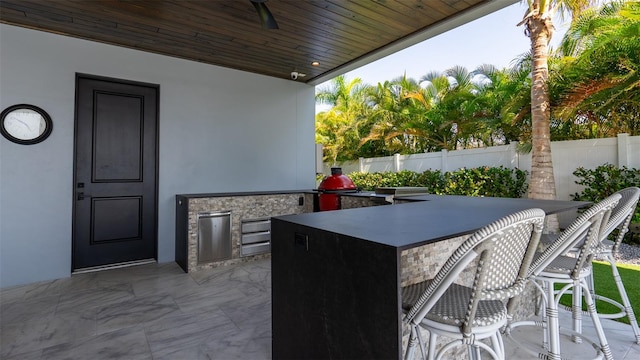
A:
{"points": [[625, 307], [576, 311], [591, 306], [432, 345], [553, 325], [625, 298], [411, 344], [542, 311]]}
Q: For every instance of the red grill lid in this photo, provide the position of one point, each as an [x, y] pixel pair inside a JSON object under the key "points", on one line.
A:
{"points": [[337, 181]]}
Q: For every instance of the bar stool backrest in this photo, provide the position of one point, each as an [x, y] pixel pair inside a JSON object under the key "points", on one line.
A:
{"points": [[586, 229], [621, 215], [505, 249]]}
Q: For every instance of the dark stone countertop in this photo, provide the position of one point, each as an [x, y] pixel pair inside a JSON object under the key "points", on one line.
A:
{"points": [[430, 218]]}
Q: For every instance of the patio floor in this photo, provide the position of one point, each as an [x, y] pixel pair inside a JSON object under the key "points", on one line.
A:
{"points": [[156, 311]]}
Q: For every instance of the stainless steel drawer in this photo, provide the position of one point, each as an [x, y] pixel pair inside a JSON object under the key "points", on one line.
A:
{"points": [[253, 238], [255, 249], [258, 225]]}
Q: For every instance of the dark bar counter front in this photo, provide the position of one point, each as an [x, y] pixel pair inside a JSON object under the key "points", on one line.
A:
{"points": [[336, 275]]}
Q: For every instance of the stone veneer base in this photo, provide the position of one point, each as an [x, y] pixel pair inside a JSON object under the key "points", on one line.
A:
{"points": [[242, 208]]}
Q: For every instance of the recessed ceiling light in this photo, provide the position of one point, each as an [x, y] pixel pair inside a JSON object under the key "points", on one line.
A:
{"points": [[315, 63]]}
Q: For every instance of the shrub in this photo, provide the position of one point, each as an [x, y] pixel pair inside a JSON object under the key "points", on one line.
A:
{"points": [[486, 181], [604, 181], [366, 181], [482, 181], [433, 180]]}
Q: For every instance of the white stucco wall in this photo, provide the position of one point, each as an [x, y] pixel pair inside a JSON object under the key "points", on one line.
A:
{"points": [[220, 130]]}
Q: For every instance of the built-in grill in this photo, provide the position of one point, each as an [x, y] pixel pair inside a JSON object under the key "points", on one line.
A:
{"points": [[255, 236], [402, 190], [391, 193]]}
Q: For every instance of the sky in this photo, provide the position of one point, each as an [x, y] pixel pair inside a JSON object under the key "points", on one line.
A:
{"points": [[493, 39]]}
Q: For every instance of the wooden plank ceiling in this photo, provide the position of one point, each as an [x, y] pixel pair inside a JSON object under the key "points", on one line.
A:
{"points": [[227, 33]]}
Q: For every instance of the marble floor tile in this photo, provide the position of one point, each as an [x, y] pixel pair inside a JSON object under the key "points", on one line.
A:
{"points": [[29, 329], [632, 354], [188, 334], [209, 299], [157, 312], [13, 293], [619, 336], [170, 284], [28, 310], [220, 274], [198, 351], [243, 344], [61, 286], [248, 313], [17, 338], [130, 343], [135, 311], [38, 289], [68, 327], [100, 294], [31, 355]]}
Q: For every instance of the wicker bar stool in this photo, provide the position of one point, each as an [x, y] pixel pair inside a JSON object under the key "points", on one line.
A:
{"points": [[620, 219], [554, 266], [606, 250], [503, 250]]}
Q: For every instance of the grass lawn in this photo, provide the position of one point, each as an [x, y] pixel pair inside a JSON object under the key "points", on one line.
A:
{"points": [[605, 285]]}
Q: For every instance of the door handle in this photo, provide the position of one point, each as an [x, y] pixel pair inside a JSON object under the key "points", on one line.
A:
{"points": [[82, 195]]}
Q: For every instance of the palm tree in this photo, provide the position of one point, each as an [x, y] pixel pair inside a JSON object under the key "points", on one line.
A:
{"points": [[503, 100], [538, 23], [391, 116], [598, 85], [461, 107], [339, 129], [439, 123], [428, 122]]}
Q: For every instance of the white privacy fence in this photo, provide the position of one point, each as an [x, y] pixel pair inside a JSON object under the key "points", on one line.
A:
{"points": [[623, 150]]}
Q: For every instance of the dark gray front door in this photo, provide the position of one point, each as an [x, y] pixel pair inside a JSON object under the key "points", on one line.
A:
{"points": [[115, 196]]}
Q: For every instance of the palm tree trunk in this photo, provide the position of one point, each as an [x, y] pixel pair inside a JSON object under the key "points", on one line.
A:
{"points": [[542, 183]]}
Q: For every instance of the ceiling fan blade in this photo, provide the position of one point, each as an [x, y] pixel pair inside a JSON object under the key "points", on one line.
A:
{"points": [[266, 19]]}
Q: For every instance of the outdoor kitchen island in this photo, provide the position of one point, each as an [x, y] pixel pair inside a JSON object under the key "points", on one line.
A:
{"points": [[337, 275]]}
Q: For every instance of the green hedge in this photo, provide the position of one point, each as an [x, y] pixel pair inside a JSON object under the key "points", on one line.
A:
{"points": [[604, 181], [481, 181]]}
